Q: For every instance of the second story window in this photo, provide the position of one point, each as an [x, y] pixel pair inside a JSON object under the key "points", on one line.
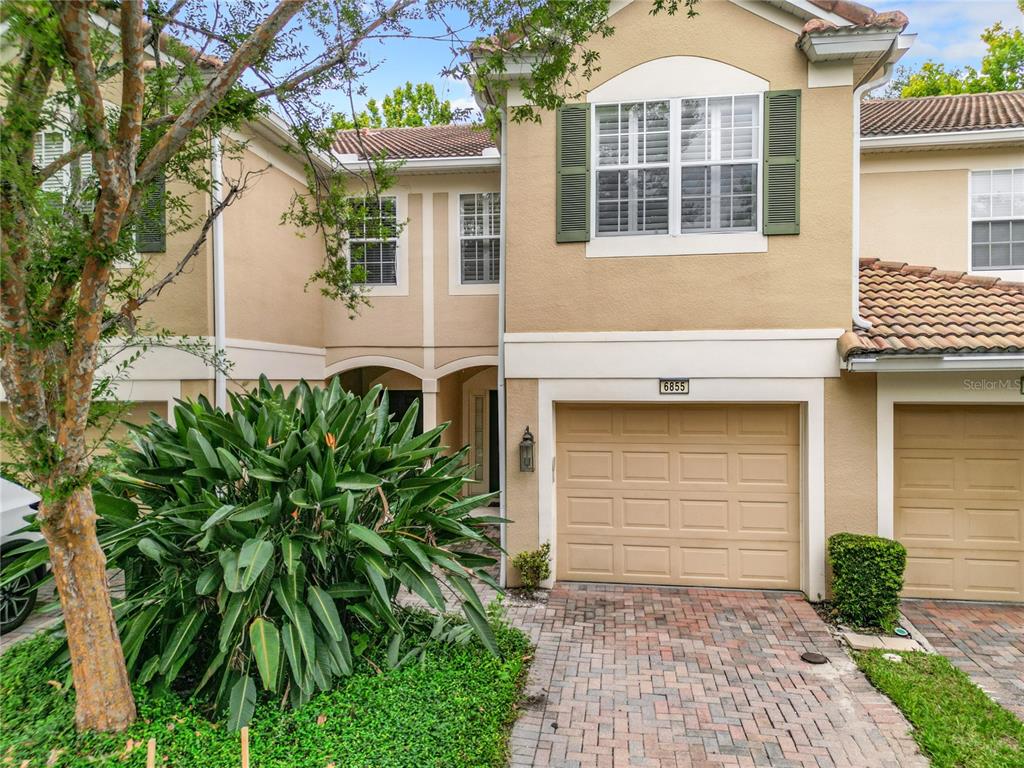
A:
{"points": [[373, 244], [479, 237], [678, 166], [997, 219]]}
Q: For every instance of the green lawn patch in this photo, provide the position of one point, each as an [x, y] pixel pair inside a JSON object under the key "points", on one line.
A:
{"points": [[453, 708], [955, 723]]}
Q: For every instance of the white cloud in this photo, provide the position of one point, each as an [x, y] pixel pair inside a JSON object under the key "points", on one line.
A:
{"points": [[949, 30]]}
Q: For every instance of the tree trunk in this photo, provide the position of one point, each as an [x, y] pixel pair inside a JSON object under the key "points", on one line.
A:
{"points": [[104, 697]]}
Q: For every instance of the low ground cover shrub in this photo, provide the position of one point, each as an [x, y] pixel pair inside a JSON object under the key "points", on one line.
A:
{"points": [[263, 546], [867, 577], [453, 705]]}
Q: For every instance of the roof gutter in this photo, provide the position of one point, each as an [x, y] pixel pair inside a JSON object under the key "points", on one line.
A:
{"points": [[859, 90], [986, 136], [916, 363]]}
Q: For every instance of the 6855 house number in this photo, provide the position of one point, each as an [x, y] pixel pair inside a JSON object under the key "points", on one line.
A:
{"points": [[674, 386]]}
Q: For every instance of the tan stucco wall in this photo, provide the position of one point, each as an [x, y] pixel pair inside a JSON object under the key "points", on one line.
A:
{"points": [[186, 305], [802, 281], [266, 263], [914, 205], [520, 487], [851, 472]]}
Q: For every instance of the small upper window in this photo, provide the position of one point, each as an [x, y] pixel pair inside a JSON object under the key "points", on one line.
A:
{"points": [[678, 166], [48, 147], [373, 243], [479, 237], [997, 219]]}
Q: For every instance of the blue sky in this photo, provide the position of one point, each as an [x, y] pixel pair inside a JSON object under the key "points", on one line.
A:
{"points": [[947, 31]]}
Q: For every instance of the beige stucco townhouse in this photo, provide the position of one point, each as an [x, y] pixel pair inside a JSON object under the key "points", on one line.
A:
{"points": [[691, 287]]}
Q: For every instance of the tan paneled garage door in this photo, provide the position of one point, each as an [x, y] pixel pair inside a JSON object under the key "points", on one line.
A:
{"points": [[679, 494], [959, 500]]}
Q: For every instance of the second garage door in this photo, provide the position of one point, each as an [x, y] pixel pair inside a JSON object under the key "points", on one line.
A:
{"points": [[679, 494], [959, 500]]}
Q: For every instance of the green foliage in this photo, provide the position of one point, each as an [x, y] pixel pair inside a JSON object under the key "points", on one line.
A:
{"points": [[867, 577], [955, 723], [1002, 69], [534, 566], [407, 106], [257, 542], [453, 707]]}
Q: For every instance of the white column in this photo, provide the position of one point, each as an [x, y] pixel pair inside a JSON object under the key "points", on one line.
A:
{"points": [[429, 404]]}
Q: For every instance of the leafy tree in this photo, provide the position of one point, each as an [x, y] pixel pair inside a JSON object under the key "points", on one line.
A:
{"points": [[114, 79], [407, 106], [1002, 69]]}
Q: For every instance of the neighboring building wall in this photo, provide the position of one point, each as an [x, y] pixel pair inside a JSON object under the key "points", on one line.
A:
{"points": [[520, 487], [915, 205], [432, 321], [850, 467], [802, 281], [267, 262]]}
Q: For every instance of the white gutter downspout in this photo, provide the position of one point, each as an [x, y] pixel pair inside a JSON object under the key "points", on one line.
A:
{"points": [[858, 321], [220, 385], [502, 427]]}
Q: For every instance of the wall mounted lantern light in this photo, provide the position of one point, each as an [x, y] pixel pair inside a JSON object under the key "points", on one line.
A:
{"points": [[526, 452]]}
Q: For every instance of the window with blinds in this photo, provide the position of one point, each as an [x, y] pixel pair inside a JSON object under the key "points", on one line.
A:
{"points": [[48, 147], [479, 237], [997, 219], [373, 242], [678, 166], [719, 140], [633, 168]]}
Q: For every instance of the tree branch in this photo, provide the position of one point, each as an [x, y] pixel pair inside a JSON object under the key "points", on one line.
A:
{"points": [[255, 46], [68, 157], [129, 130], [346, 50]]}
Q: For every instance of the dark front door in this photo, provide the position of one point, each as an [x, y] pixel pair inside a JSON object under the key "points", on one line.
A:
{"points": [[493, 448]]}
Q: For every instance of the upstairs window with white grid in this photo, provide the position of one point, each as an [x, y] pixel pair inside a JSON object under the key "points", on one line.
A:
{"points": [[997, 219], [678, 166], [633, 168], [373, 242], [479, 237], [48, 147]]}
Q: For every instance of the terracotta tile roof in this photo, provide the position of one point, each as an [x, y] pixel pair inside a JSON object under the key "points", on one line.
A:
{"points": [[925, 311], [938, 114], [859, 17], [421, 142]]}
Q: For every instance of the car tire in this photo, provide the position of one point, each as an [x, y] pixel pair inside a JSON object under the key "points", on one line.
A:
{"points": [[18, 598]]}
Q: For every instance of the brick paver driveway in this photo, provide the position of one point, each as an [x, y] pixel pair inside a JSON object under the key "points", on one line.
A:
{"points": [[985, 640], [650, 676]]}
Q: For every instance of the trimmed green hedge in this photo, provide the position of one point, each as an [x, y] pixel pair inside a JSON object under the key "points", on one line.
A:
{"points": [[867, 577]]}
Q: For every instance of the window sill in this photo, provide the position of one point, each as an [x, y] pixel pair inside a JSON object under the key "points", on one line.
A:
{"points": [[715, 243], [386, 290], [473, 289]]}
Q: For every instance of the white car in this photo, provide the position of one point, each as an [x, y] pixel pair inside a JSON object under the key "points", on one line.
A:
{"points": [[18, 598]]}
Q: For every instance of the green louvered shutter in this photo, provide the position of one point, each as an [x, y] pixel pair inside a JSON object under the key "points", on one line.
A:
{"points": [[572, 206], [782, 163], [151, 231]]}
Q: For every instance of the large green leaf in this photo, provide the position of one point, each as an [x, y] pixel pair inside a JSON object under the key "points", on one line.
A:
{"points": [[253, 558], [184, 633], [370, 537], [242, 703], [357, 481], [266, 647], [232, 573], [201, 451], [221, 513], [151, 549], [291, 551], [481, 627], [325, 610], [293, 650]]}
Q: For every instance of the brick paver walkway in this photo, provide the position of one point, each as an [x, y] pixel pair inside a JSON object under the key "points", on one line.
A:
{"points": [[645, 676], [985, 640]]}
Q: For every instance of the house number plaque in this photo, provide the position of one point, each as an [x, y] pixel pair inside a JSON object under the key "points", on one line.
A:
{"points": [[674, 386]]}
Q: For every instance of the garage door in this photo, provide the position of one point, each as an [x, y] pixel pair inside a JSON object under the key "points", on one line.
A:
{"points": [[679, 494], [959, 500]]}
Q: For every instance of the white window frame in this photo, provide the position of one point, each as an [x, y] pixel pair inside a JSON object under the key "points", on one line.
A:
{"points": [[455, 285], [463, 237], [401, 286], [677, 242], [1012, 272]]}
